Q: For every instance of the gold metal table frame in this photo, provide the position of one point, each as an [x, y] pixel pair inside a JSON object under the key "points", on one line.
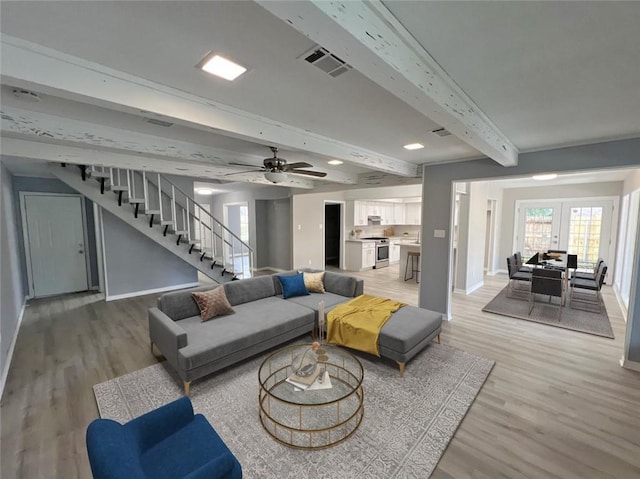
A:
{"points": [[311, 419]]}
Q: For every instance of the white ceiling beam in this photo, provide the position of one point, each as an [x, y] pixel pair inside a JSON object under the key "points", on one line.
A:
{"points": [[84, 156], [27, 123], [368, 37], [57, 73]]}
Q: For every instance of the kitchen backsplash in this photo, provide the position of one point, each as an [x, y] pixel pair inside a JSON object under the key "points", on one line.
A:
{"points": [[398, 230]]}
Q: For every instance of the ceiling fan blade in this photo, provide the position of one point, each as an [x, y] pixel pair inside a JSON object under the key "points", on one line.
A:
{"points": [[319, 174], [245, 164], [241, 172], [300, 164]]}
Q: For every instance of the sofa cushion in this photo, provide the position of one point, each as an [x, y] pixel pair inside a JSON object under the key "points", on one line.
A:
{"points": [[276, 279], [340, 284], [311, 301], [253, 323], [293, 286], [250, 289], [407, 327], [314, 282], [212, 303], [180, 304]]}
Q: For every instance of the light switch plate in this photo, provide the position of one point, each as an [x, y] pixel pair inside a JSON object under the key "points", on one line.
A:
{"points": [[439, 233]]}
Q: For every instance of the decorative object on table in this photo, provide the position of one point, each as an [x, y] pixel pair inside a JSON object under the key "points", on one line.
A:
{"points": [[322, 321], [305, 363], [358, 232], [433, 409]]}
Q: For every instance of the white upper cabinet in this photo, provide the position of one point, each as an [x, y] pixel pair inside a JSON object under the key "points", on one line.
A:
{"points": [[413, 213]]}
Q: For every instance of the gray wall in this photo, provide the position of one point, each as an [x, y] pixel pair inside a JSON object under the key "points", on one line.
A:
{"points": [[135, 263], [52, 185], [273, 225], [12, 292], [437, 191]]}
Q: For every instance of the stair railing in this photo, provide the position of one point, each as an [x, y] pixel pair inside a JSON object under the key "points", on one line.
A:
{"points": [[193, 224]]}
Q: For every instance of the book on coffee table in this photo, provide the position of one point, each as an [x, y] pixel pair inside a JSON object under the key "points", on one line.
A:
{"points": [[303, 382]]}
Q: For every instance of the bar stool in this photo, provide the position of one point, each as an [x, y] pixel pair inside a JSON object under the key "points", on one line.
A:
{"points": [[411, 255]]}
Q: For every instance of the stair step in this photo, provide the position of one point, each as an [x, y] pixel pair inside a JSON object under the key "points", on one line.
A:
{"points": [[135, 200], [117, 188], [98, 174], [166, 223], [180, 232], [151, 212]]}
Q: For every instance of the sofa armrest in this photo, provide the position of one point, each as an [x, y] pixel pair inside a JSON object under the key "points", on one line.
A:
{"points": [[359, 288], [167, 335]]}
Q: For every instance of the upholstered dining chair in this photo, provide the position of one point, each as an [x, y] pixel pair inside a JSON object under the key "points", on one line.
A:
{"points": [[521, 267], [590, 288], [589, 274], [168, 442], [547, 282], [516, 277]]}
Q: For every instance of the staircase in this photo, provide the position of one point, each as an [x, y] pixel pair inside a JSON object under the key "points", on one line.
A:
{"points": [[159, 209]]}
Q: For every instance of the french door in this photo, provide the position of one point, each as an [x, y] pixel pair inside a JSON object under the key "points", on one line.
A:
{"points": [[580, 227]]}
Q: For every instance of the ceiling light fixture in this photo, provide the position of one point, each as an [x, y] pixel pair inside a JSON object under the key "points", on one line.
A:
{"points": [[334, 162], [221, 67], [204, 191], [275, 176], [549, 176], [413, 146]]}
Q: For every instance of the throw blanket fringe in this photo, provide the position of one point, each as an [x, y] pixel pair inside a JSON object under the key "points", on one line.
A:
{"points": [[357, 323]]}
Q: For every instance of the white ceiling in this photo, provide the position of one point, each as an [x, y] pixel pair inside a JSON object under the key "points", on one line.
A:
{"points": [[545, 74]]}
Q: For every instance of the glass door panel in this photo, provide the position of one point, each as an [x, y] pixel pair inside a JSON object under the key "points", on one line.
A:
{"points": [[538, 228]]}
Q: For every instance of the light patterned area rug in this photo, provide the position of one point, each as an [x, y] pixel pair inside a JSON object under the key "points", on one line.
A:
{"points": [[592, 322], [408, 422]]}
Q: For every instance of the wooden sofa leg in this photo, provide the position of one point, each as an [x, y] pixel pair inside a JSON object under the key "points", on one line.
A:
{"points": [[187, 385], [401, 365], [438, 338]]}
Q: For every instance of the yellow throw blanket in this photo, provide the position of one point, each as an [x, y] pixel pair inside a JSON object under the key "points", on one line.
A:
{"points": [[357, 324]]}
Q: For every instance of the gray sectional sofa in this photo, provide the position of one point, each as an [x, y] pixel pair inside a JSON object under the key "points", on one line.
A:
{"points": [[261, 321]]}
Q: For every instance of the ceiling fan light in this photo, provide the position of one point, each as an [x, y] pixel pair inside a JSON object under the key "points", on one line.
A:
{"points": [[275, 176]]}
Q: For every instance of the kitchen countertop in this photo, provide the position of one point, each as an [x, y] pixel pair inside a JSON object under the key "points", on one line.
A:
{"points": [[362, 240]]}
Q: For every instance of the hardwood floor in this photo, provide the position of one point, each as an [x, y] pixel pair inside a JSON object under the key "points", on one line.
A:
{"points": [[556, 405]]}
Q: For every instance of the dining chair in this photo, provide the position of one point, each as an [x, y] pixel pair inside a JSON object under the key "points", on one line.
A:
{"points": [[592, 289], [516, 277], [547, 282], [521, 267], [589, 274]]}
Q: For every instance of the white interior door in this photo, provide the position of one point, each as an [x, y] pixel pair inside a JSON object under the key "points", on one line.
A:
{"points": [[55, 244]]}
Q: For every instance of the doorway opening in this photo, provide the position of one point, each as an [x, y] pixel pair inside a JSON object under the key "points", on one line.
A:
{"points": [[332, 234], [236, 219]]}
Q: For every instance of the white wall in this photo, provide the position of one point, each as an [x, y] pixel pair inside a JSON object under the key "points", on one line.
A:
{"points": [[308, 228], [472, 222], [12, 293]]}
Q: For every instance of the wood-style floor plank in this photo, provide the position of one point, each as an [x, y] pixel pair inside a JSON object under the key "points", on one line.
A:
{"points": [[556, 405]]}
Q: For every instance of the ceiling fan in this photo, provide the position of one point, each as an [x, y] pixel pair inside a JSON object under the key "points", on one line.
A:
{"points": [[275, 169]]}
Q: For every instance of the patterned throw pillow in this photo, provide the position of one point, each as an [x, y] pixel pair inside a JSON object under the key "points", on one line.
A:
{"points": [[314, 282], [212, 303]]}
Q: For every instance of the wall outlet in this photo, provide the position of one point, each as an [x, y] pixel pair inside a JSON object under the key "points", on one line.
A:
{"points": [[299, 227], [439, 233], [309, 262]]}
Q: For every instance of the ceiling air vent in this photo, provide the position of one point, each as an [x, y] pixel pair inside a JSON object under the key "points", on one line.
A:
{"points": [[326, 61], [441, 132], [155, 121]]}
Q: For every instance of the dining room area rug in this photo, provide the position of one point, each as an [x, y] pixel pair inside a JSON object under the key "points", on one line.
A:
{"points": [[589, 320], [408, 421]]}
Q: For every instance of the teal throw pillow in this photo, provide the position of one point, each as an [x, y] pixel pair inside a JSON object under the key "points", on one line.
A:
{"points": [[293, 286]]}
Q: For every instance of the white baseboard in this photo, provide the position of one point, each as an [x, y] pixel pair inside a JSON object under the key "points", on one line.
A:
{"points": [[470, 289], [623, 308], [633, 365], [116, 297], [7, 364]]}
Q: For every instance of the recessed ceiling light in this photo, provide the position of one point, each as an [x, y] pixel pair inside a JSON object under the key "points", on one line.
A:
{"points": [[334, 162], [550, 176], [222, 67], [413, 146], [204, 191]]}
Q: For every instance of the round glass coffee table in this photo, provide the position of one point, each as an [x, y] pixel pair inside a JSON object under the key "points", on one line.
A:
{"points": [[312, 418]]}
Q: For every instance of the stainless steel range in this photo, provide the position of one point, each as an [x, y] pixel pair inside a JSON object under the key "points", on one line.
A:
{"points": [[382, 251]]}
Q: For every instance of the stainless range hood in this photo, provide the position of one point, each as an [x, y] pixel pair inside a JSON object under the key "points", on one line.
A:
{"points": [[374, 220]]}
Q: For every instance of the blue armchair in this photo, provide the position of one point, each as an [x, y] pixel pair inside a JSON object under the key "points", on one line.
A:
{"points": [[169, 442]]}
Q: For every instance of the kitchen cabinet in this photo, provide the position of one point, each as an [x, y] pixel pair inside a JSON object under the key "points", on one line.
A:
{"points": [[394, 251], [360, 255], [413, 213]]}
